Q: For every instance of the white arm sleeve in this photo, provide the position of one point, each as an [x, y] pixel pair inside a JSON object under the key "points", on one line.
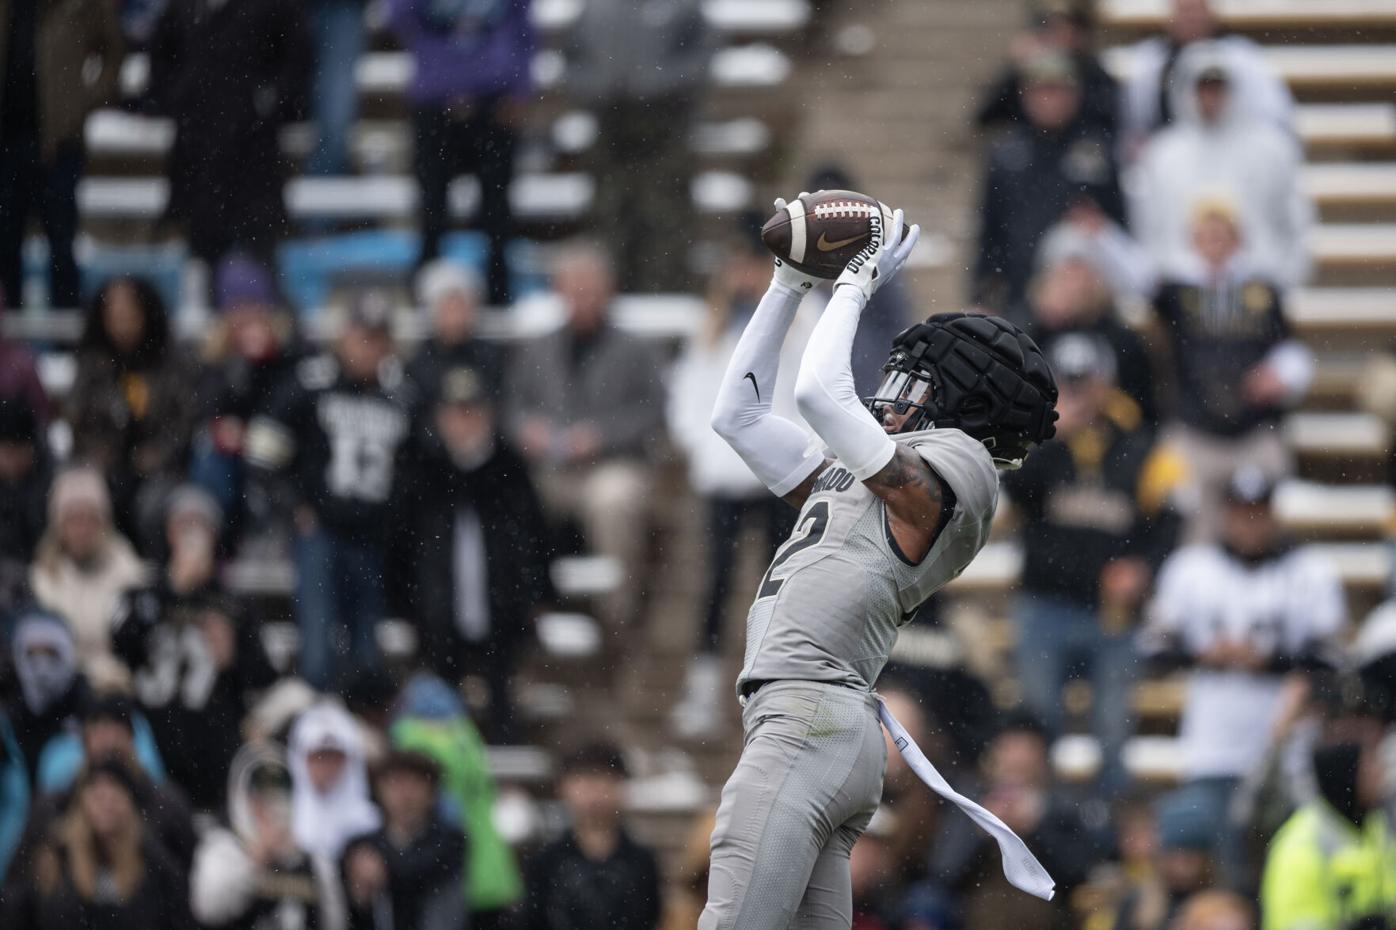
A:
{"points": [[827, 398], [776, 450]]}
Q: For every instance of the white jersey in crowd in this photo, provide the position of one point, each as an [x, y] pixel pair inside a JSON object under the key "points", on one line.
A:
{"points": [[830, 604], [1282, 606]]}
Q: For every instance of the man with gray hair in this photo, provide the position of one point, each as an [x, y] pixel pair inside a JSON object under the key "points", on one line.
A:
{"points": [[585, 405]]}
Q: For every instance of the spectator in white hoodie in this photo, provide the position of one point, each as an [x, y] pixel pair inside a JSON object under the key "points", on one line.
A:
{"points": [[1146, 104], [731, 493], [329, 797], [1216, 148]]}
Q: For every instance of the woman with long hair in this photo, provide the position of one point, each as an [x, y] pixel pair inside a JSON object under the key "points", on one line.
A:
{"points": [[133, 403], [98, 868]]}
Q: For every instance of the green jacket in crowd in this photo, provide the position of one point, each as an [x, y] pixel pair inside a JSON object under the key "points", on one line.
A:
{"points": [[1323, 873], [492, 879]]}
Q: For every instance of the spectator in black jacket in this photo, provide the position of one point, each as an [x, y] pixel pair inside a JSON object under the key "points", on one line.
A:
{"points": [[195, 661], [230, 73], [406, 875], [26, 471], [1062, 26], [473, 551], [250, 352], [1046, 165], [595, 875], [1096, 524], [451, 293], [329, 451], [1018, 787], [99, 867], [1236, 364]]}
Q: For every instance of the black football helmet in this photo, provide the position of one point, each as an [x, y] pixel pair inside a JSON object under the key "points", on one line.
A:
{"points": [[979, 374]]}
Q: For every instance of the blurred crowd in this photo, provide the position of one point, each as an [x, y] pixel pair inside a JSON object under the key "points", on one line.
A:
{"points": [[163, 764], [232, 75]]}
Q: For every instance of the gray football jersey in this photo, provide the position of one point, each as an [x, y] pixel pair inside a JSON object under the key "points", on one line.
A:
{"points": [[830, 603]]}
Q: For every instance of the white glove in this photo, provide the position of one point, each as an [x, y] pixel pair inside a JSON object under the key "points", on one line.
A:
{"points": [[883, 257], [787, 276]]}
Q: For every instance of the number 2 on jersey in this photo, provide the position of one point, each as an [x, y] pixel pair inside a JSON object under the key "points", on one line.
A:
{"points": [[818, 521]]}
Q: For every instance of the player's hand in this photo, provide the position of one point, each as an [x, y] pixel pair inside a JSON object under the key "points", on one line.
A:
{"points": [[882, 259], [787, 276]]}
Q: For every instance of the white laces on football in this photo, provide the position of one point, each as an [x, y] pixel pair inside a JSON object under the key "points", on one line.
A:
{"points": [[883, 257]]}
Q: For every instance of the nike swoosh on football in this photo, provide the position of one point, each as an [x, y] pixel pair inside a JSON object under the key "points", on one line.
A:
{"points": [[754, 386], [824, 245]]}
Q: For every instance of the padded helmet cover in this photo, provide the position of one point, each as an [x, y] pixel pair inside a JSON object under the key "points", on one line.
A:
{"points": [[988, 379]]}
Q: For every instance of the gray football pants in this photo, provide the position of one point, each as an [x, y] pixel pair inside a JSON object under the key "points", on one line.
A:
{"points": [[808, 781]]}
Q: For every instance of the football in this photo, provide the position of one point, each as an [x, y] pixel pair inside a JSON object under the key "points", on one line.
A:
{"points": [[820, 233]]}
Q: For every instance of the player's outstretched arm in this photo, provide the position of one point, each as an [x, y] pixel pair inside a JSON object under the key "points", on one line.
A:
{"points": [[775, 449], [828, 399]]}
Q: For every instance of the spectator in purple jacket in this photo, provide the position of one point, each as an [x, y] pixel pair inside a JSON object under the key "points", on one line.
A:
{"points": [[472, 75]]}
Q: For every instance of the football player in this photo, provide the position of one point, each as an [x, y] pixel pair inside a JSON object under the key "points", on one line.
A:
{"points": [[895, 500]]}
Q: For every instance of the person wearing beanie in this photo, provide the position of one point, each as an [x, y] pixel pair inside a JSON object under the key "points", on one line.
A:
{"points": [[82, 566], [1332, 866], [450, 294], [250, 352], [1039, 170], [1182, 863], [196, 661], [471, 552]]}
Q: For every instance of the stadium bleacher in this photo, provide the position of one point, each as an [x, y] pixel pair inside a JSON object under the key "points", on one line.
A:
{"points": [[1345, 119]]}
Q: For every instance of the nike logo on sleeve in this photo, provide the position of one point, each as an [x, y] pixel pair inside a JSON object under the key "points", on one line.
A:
{"points": [[754, 386]]}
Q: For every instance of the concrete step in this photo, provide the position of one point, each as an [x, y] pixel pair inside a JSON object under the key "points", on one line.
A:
{"points": [[1350, 72], [1258, 16]]}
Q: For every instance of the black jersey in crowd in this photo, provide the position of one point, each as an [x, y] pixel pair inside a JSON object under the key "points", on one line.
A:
{"points": [[340, 443], [1219, 332], [1097, 496]]}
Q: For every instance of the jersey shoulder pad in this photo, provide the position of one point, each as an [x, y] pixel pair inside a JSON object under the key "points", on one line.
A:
{"points": [[317, 372], [965, 465]]}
